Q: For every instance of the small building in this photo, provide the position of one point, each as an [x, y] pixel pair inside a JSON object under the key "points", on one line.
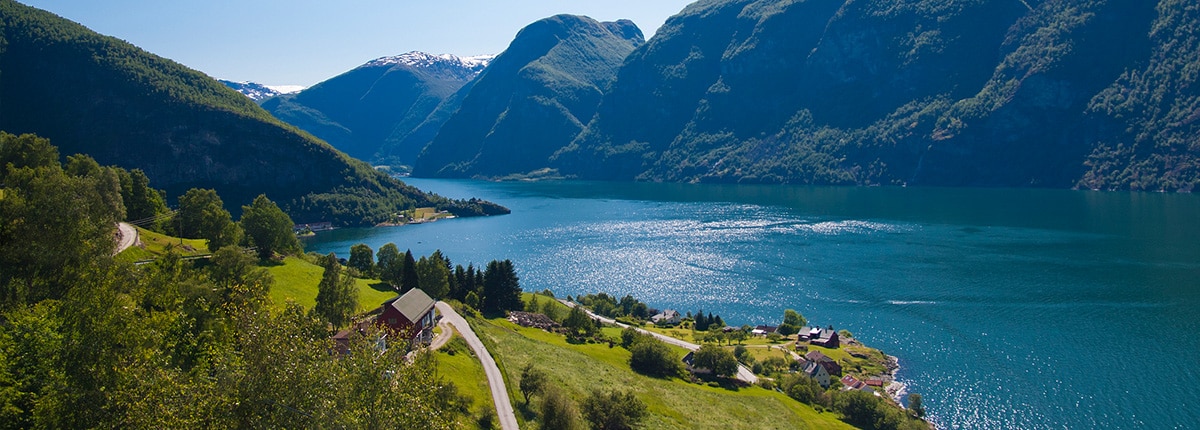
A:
{"points": [[852, 383], [669, 316], [815, 371], [689, 359], [410, 314], [764, 330], [824, 337], [829, 364]]}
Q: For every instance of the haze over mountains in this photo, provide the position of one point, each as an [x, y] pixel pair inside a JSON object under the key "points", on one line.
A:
{"points": [[378, 111], [1085, 93]]}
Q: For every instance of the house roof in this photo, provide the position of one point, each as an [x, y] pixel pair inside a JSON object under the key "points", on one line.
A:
{"points": [[413, 305], [812, 369], [817, 356]]}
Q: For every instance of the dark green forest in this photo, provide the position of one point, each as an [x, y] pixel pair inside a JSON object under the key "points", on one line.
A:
{"points": [[100, 96]]}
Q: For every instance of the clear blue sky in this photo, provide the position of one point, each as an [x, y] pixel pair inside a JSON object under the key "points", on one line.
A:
{"points": [[302, 42]]}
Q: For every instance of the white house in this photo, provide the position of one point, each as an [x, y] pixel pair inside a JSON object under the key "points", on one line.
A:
{"points": [[815, 370], [668, 316]]}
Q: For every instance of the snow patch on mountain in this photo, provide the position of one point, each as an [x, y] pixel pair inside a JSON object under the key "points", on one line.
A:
{"points": [[259, 92], [424, 60]]}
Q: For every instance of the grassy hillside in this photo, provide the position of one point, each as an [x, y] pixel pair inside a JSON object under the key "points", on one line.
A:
{"points": [[673, 404], [297, 279], [458, 365]]}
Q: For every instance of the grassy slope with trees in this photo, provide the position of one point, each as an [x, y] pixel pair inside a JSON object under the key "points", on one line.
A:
{"points": [[87, 341], [101, 96], [580, 368]]}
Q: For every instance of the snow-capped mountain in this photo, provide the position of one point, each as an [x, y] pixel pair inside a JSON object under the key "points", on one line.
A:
{"points": [[259, 92], [385, 110]]}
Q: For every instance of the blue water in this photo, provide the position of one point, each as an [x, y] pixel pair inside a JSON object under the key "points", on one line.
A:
{"points": [[1016, 309]]}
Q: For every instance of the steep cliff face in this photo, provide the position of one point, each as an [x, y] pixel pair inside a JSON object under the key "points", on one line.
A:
{"points": [[533, 99], [892, 92], [371, 111]]}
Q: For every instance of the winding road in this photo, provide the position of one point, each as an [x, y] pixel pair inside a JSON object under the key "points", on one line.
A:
{"points": [[743, 374], [127, 236], [504, 409]]}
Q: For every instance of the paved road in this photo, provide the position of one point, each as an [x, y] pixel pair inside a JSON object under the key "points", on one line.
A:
{"points": [[743, 373], [127, 236], [504, 409]]}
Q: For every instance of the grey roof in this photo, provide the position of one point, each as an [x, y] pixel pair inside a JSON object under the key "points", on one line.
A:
{"points": [[413, 305]]}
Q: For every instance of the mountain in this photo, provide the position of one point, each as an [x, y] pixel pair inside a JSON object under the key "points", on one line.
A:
{"points": [[374, 111], [255, 91], [100, 96], [533, 99], [1084, 93]]}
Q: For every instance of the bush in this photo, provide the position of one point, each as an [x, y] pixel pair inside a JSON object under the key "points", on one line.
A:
{"points": [[719, 360], [651, 357], [613, 411]]}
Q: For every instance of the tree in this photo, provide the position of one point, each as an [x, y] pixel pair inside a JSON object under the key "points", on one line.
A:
{"points": [[578, 323], [719, 360], [558, 411], [652, 357], [915, 405], [533, 380], [433, 277], [202, 215], [337, 294], [269, 228], [501, 287], [409, 278], [141, 201], [390, 266], [615, 410], [792, 322], [362, 259]]}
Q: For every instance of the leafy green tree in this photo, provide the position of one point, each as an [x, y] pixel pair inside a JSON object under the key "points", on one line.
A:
{"points": [[141, 201], [578, 323], [501, 287], [106, 180], [55, 226], [615, 410], [915, 405], [390, 266], [26, 150], [202, 215], [558, 411], [362, 259], [719, 360], [652, 357], [533, 381], [803, 389], [337, 294], [792, 322], [269, 228], [434, 277]]}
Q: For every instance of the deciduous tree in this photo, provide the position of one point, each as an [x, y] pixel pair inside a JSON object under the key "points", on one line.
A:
{"points": [[269, 228]]}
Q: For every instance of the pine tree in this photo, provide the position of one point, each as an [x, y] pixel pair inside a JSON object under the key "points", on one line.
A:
{"points": [[337, 297], [501, 287], [408, 277]]}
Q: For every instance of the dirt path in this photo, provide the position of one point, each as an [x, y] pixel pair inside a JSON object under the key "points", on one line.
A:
{"points": [[504, 409]]}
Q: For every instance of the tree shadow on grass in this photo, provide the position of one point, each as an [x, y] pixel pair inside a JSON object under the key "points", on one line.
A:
{"points": [[382, 287], [731, 384]]}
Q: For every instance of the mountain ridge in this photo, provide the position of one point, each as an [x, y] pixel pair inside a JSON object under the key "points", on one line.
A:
{"points": [[374, 111]]}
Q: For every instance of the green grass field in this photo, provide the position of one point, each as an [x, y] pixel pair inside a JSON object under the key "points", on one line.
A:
{"points": [[457, 364], [673, 404], [297, 280]]}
